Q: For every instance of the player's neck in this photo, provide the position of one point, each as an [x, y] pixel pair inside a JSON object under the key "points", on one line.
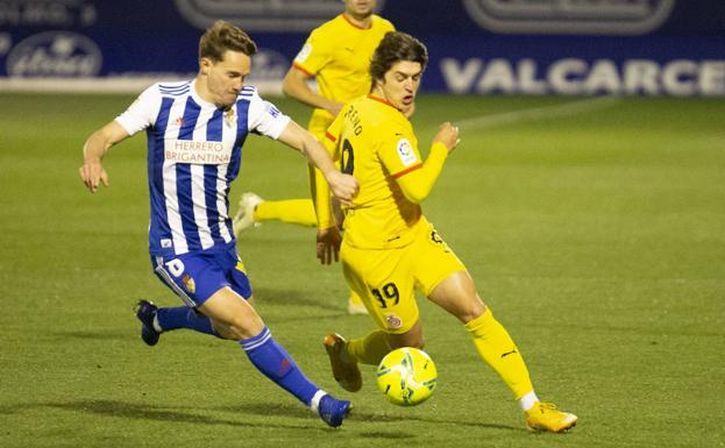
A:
{"points": [[362, 22], [378, 94], [202, 92], [200, 89]]}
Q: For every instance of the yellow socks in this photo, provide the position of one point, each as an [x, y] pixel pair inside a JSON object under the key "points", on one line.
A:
{"points": [[498, 349], [369, 350], [293, 211]]}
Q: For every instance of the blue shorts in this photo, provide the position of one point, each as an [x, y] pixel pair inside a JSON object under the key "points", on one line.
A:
{"points": [[196, 276]]}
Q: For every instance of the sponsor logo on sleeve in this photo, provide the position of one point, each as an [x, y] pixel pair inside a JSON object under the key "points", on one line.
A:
{"points": [[273, 111], [406, 153], [304, 53]]}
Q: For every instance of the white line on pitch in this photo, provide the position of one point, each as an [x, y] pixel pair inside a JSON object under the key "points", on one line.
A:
{"points": [[538, 113]]}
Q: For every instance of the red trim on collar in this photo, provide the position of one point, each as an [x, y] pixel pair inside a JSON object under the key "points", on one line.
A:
{"points": [[382, 100], [347, 19]]}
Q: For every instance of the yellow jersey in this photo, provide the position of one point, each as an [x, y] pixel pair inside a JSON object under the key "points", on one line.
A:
{"points": [[375, 143], [338, 54]]}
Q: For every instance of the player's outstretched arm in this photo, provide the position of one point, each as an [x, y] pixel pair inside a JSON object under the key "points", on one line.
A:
{"points": [[92, 172], [417, 184], [343, 186], [295, 86]]}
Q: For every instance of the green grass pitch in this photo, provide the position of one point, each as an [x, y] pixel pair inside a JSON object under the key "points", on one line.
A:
{"points": [[598, 239]]}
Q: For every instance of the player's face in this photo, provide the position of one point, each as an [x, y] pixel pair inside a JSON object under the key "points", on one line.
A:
{"points": [[401, 83], [225, 79], [360, 9]]}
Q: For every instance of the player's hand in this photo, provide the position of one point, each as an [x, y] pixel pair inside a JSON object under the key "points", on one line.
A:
{"points": [[343, 186], [448, 135], [93, 174], [328, 245]]}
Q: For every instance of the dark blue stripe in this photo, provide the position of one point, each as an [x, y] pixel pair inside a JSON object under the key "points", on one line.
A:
{"points": [[242, 131], [155, 158], [183, 179], [236, 162], [211, 172]]}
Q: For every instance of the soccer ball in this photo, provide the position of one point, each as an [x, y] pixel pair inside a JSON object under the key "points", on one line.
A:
{"points": [[407, 376]]}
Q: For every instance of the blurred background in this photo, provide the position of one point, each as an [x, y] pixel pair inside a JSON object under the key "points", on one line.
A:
{"points": [[569, 47]]}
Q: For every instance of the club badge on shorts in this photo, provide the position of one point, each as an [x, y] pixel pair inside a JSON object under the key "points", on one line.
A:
{"points": [[189, 284], [393, 321]]}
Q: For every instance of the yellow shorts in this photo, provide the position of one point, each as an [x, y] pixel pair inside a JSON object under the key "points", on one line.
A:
{"points": [[386, 279]]}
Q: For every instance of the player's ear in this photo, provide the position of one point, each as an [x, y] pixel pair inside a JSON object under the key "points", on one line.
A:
{"points": [[204, 65]]}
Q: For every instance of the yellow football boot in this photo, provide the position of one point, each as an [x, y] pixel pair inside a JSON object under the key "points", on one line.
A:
{"points": [[545, 417]]}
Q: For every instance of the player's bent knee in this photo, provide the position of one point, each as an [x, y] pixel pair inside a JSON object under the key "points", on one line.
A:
{"points": [[471, 313], [238, 328], [225, 332]]}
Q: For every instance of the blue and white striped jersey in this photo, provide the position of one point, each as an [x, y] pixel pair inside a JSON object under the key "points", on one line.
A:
{"points": [[194, 153]]}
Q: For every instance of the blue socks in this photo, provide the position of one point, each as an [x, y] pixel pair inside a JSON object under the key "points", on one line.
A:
{"points": [[263, 351], [184, 317], [276, 364]]}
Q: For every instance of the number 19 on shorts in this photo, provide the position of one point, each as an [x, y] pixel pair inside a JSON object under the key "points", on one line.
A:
{"points": [[387, 295]]}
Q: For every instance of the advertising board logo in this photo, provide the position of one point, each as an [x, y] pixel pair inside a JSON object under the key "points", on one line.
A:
{"points": [[268, 65], [281, 16], [54, 54], [47, 13], [617, 17], [5, 42]]}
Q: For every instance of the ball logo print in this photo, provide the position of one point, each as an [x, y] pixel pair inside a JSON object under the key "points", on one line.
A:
{"points": [[407, 376], [570, 17]]}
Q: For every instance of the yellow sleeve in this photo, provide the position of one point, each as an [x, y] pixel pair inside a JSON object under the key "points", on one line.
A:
{"points": [[388, 25], [415, 177], [320, 188], [315, 53]]}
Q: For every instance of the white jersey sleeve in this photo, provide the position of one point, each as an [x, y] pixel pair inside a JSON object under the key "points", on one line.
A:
{"points": [[141, 113], [265, 118]]}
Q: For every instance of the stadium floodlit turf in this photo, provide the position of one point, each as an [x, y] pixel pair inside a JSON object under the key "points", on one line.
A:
{"points": [[597, 237]]}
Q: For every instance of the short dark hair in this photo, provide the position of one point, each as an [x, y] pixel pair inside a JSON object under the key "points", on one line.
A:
{"points": [[223, 36], [396, 46]]}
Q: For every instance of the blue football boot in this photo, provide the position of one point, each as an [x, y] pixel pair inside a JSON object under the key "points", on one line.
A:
{"points": [[333, 411]]}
